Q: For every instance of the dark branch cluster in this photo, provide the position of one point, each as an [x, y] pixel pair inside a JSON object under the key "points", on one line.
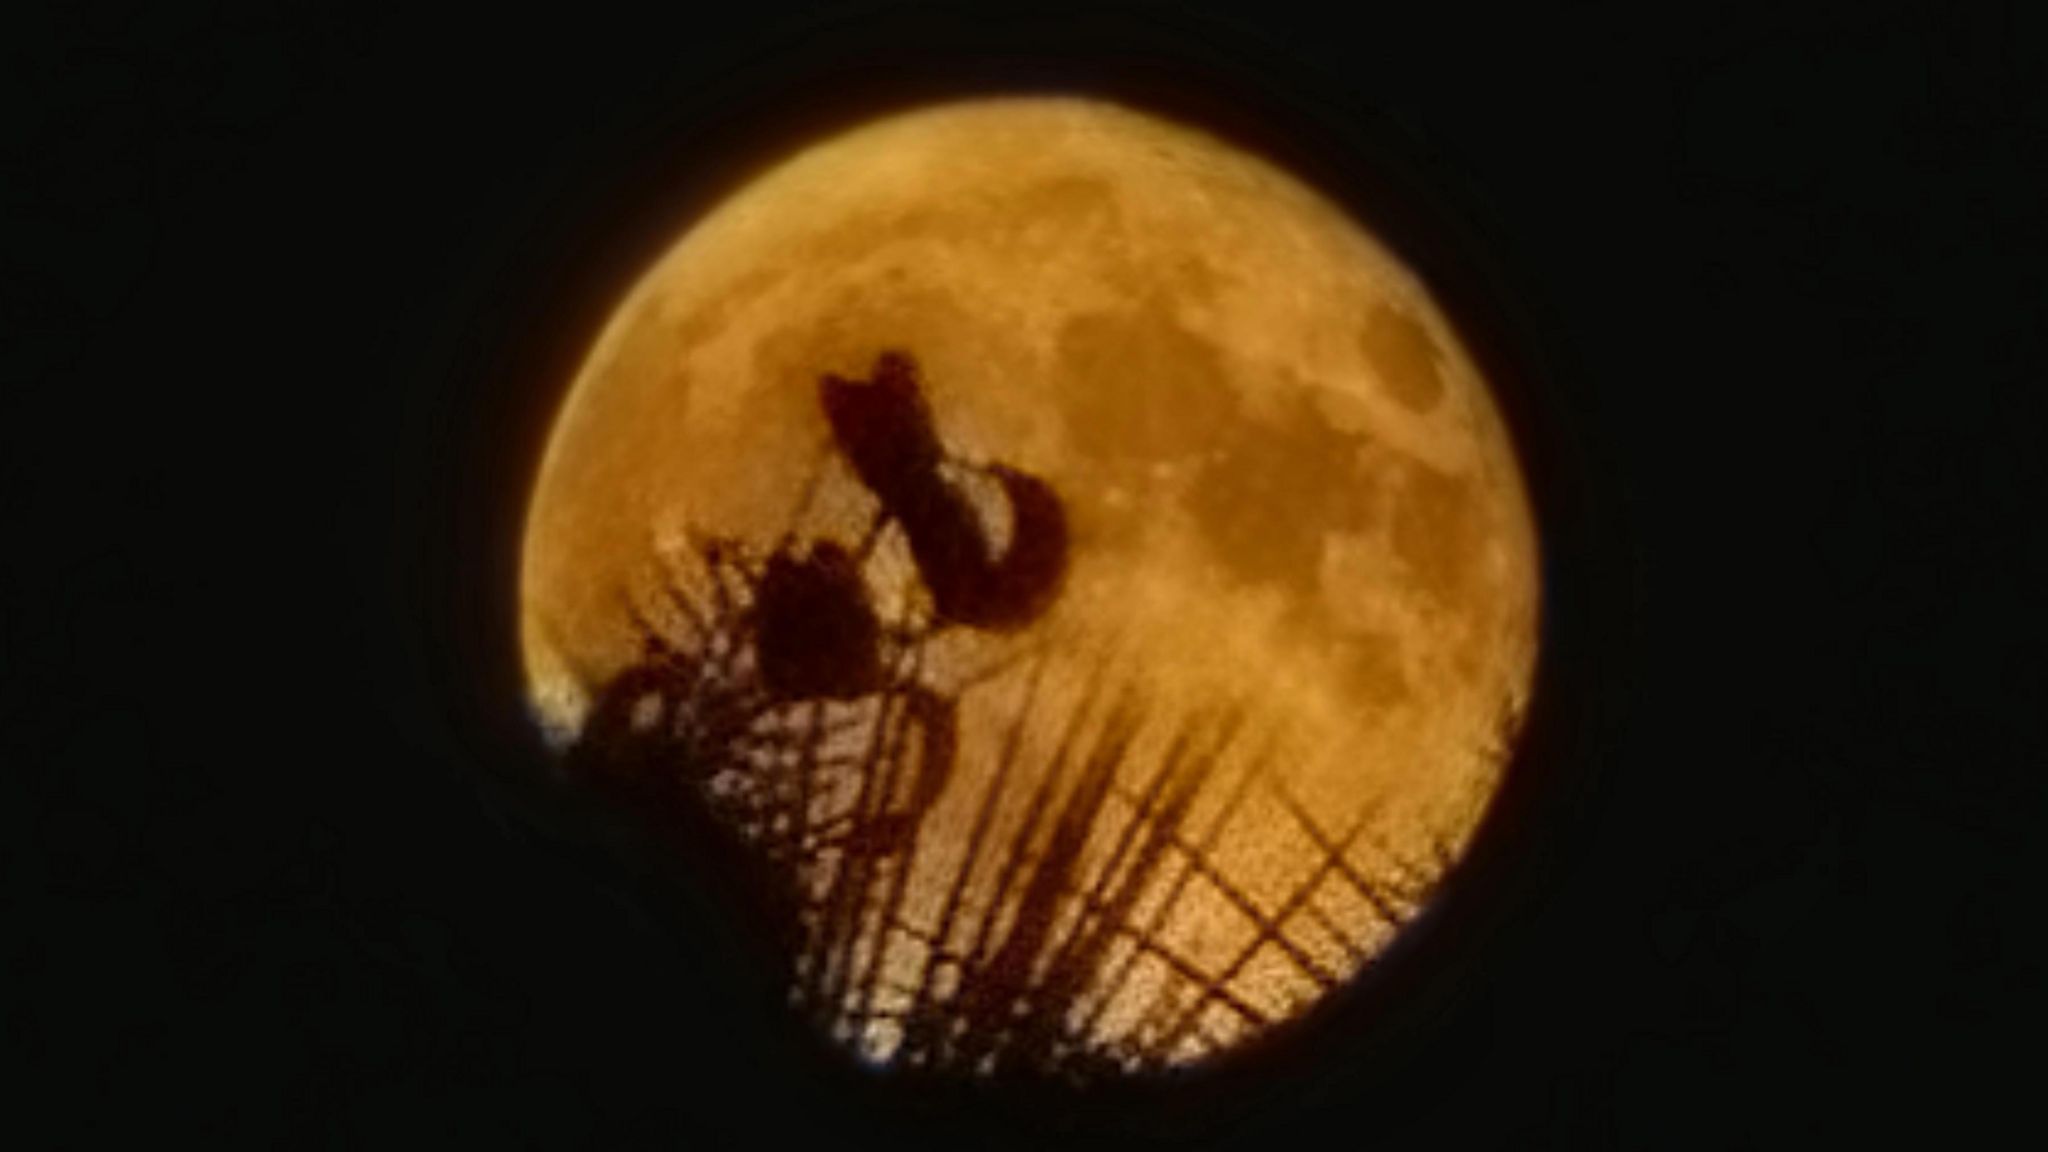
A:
{"points": [[778, 695]]}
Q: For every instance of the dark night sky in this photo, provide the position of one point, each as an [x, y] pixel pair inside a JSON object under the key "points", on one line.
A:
{"points": [[285, 298]]}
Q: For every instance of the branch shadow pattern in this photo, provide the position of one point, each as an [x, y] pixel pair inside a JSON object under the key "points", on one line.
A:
{"points": [[825, 733], [1049, 951]]}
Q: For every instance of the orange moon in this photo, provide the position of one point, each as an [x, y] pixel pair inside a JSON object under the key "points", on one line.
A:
{"points": [[1300, 543]]}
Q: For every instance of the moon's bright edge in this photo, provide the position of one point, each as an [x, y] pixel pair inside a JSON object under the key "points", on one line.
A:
{"points": [[1290, 492]]}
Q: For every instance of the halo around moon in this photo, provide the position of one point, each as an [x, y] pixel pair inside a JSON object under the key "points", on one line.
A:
{"points": [[1291, 497]]}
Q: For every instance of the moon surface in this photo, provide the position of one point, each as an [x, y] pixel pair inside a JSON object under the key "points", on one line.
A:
{"points": [[1300, 545]]}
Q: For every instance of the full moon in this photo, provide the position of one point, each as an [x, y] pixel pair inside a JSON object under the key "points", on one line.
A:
{"points": [[1267, 701]]}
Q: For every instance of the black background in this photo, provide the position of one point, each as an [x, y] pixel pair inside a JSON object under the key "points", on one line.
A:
{"points": [[288, 300]]}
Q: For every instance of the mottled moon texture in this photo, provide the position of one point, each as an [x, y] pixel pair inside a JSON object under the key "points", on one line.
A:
{"points": [[1294, 644]]}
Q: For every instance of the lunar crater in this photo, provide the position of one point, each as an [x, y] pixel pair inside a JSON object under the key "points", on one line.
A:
{"points": [[1405, 359], [1137, 386]]}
